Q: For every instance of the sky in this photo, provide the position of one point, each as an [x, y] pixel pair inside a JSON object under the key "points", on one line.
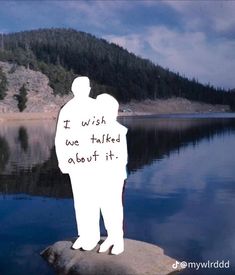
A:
{"points": [[195, 38]]}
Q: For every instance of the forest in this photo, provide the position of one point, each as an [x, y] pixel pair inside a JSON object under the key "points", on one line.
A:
{"points": [[62, 54]]}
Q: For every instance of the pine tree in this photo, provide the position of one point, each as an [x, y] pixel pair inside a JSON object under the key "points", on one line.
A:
{"points": [[22, 98], [3, 84]]}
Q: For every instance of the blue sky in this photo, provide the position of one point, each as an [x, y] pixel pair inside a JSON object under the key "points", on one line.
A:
{"points": [[195, 38]]}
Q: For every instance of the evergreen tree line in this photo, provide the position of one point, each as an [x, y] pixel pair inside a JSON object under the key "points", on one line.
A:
{"points": [[63, 54], [3, 84]]}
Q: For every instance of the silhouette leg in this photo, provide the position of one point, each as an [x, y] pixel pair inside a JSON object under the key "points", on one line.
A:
{"points": [[112, 211], [87, 215]]}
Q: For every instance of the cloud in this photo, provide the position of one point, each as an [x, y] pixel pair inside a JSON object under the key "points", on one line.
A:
{"points": [[174, 174], [194, 38], [101, 15], [215, 16], [189, 53], [131, 42]]}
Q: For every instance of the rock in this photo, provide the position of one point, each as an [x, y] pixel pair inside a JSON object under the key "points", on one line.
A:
{"points": [[139, 258], [40, 97]]}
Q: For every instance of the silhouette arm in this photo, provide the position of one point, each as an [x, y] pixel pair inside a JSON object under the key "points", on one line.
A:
{"points": [[123, 156], [59, 141]]}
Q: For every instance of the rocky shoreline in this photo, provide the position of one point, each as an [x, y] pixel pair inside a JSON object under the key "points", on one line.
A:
{"points": [[17, 116], [42, 103], [139, 258], [169, 106]]}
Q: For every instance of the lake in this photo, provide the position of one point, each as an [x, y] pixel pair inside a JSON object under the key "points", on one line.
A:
{"points": [[179, 195]]}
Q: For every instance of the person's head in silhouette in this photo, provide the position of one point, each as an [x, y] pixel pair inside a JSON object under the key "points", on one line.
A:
{"points": [[108, 106], [81, 87]]}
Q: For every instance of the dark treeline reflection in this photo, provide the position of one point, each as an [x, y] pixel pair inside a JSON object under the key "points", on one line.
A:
{"points": [[41, 180], [23, 138], [149, 139], [4, 153]]}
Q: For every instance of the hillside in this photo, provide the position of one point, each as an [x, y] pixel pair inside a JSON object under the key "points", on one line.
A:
{"points": [[42, 102], [40, 97], [62, 54]]}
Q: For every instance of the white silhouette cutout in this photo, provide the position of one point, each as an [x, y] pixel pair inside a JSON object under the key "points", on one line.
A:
{"points": [[91, 147]]}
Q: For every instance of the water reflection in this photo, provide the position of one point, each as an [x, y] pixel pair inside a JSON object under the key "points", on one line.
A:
{"points": [[151, 139], [29, 143], [4, 153], [186, 196], [28, 162], [180, 192], [23, 138]]}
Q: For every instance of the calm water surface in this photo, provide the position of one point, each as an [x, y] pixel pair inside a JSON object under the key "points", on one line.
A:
{"points": [[180, 192]]}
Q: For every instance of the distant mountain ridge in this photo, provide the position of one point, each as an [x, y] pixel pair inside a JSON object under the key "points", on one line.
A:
{"points": [[62, 54]]}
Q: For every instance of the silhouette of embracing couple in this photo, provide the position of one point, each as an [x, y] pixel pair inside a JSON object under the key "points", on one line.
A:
{"points": [[91, 147]]}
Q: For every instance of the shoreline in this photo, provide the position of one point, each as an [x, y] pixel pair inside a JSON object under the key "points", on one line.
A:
{"points": [[53, 115], [28, 116], [159, 107]]}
